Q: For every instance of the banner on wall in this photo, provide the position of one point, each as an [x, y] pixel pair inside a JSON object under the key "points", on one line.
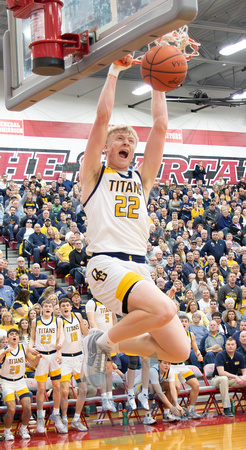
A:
{"points": [[23, 163], [20, 163]]}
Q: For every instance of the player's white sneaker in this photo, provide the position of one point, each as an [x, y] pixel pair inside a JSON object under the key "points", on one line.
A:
{"points": [[192, 414], [77, 425], [143, 398], [95, 359], [65, 422], [8, 436], [24, 433], [148, 420], [169, 417], [132, 402], [112, 405], [61, 428], [105, 404], [40, 425]]}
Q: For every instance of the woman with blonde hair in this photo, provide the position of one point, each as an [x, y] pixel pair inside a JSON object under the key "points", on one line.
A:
{"points": [[188, 296], [191, 308], [7, 321]]}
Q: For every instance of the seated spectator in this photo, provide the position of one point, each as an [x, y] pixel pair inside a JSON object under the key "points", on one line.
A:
{"points": [[230, 290], [38, 244], [10, 223], [21, 305], [35, 276], [200, 283], [78, 262], [47, 293], [169, 267], [212, 343], [188, 296], [153, 235], [193, 307], [24, 284], [149, 252], [236, 335], [30, 215], [236, 269], [228, 363], [6, 293], [176, 291], [204, 303], [32, 315], [66, 210], [29, 203], [197, 328], [231, 323], [74, 229], [243, 306], [160, 272], [224, 270], [23, 236], [7, 321], [225, 220], [3, 271], [62, 254], [231, 259], [236, 230], [47, 226], [12, 280], [21, 269], [213, 307]]}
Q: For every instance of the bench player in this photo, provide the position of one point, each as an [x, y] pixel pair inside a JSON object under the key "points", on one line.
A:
{"points": [[47, 339], [117, 273], [73, 326], [13, 362], [99, 317]]}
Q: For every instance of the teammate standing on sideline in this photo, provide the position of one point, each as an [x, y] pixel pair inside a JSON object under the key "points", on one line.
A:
{"points": [[99, 317], [73, 326], [117, 273], [47, 337], [13, 365]]}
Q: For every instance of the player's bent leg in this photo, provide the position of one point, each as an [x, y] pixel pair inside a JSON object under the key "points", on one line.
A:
{"points": [[148, 309], [64, 391], [9, 416]]}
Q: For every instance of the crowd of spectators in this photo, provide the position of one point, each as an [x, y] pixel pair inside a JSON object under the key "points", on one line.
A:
{"points": [[196, 253]]}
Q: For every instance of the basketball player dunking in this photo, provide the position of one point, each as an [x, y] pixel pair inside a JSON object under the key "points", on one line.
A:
{"points": [[117, 273]]}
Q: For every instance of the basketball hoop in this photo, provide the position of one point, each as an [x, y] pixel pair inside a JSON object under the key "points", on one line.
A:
{"points": [[180, 39]]}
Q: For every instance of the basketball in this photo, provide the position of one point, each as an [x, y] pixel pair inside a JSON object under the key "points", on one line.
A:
{"points": [[164, 68]]}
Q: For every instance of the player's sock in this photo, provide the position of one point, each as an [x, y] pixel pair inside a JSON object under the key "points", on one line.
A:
{"points": [[105, 341], [166, 411], [145, 391], [40, 414], [109, 394], [64, 417], [104, 395], [56, 411], [76, 417], [131, 392]]}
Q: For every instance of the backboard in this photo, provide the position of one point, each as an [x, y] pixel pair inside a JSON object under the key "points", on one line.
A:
{"points": [[122, 26]]}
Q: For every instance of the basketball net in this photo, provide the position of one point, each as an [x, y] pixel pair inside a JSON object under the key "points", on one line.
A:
{"points": [[180, 39]]}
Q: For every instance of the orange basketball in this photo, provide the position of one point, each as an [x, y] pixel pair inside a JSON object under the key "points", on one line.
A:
{"points": [[164, 68]]}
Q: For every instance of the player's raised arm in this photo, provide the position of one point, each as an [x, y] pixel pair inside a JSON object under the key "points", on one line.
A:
{"points": [[90, 168], [155, 143]]}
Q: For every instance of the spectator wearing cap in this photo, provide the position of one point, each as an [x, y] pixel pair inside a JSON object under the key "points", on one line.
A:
{"points": [[47, 224], [45, 215], [10, 223], [70, 291], [38, 244], [66, 210], [6, 293], [77, 305], [210, 217], [56, 207]]}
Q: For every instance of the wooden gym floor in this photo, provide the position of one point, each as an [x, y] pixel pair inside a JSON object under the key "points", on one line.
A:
{"points": [[210, 433]]}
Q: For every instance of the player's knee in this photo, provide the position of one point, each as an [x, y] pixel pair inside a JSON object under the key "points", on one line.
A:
{"points": [[195, 385], [133, 362]]}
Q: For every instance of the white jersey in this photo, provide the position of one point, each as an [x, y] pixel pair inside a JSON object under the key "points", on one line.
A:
{"points": [[13, 365], [157, 377], [72, 343], [117, 214], [102, 315], [46, 334]]}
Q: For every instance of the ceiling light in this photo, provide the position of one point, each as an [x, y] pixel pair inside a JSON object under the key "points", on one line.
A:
{"points": [[233, 48], [239, 96], [142, 90]]}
